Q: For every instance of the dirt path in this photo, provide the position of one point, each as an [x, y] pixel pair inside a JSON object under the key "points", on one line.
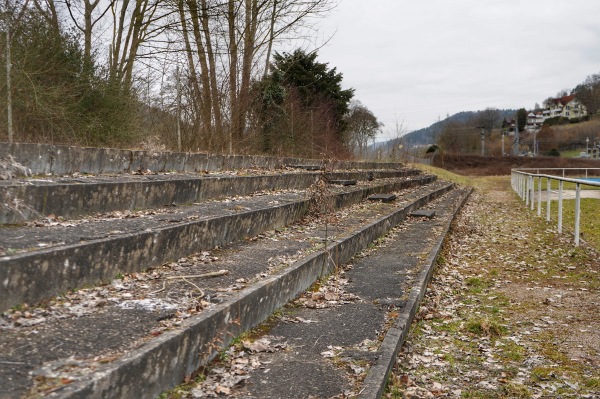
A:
{"points": [[512, 311]]}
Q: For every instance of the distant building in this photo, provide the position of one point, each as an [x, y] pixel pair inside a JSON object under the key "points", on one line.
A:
{"points": [[567, 107], [535, 121], [508, 127]]}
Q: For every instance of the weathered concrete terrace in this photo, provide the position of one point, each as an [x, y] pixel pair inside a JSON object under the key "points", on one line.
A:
{"points": [[123, 283], [71, 197]]}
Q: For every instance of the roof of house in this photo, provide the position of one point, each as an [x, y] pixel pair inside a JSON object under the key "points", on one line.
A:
{"points": [[563, 100]]}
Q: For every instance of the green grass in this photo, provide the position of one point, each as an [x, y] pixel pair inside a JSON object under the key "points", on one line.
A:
{"points": [[593, 382], [477, 285], [589, 218], [446, 175], [513, 351], [554, 184], [539, 374], [571, 153], [483, 326]]}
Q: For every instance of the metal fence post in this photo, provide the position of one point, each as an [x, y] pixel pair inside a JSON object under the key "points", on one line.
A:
{"points": [[577, 211], [527, 191], [548, 184], [532, 194], [539, 196], [521, 190], [560, 206]]}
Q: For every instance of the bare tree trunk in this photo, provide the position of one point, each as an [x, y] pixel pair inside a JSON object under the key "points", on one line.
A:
{"points": [[271, 38], [9, 115], [206, 104], [178, 111], [115, 50], [250, 29], [233, 71], [212, 72], [87, 35], [188, 50], [87, 29]]}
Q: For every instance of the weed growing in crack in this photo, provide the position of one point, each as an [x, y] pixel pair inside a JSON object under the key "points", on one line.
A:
{"points": [[485, 327], [321, 207]]}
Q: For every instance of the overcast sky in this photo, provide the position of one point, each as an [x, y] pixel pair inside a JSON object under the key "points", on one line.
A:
{"points": [[417, 60]]}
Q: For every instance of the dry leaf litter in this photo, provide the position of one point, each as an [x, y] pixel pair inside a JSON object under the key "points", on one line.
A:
{"points": [[511, 312]]}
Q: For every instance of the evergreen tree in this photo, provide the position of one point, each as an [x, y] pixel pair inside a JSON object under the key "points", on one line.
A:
{"points": [[302, 99]]}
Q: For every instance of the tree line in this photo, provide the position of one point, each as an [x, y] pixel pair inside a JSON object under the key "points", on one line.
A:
{"points": [[200, 75]]}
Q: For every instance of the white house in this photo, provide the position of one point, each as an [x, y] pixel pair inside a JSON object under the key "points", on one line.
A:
{"points": [[535, 121], [567, 107]]}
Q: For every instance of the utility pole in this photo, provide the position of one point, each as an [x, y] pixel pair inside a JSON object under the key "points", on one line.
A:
{"points": [[587, 146], [482, 139], [534, 143], [503, 142], [516, 143]]}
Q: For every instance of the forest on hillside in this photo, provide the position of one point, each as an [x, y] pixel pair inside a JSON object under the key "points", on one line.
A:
{"points": [[190, 75]]}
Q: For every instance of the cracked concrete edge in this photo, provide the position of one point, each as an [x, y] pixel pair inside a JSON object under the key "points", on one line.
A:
{"points": [[376, 381], [32, 277], [166, 360], [63, 159]]}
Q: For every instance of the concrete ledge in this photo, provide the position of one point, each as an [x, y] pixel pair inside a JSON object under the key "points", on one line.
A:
{"points": [[34, 276], [21, 201], [61, 159], [166, 360], [376, 381]]}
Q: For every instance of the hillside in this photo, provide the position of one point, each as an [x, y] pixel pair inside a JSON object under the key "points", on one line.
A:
{"points": [[429, 134]]}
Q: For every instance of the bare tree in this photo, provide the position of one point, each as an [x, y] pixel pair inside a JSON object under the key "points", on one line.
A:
{"points": [[489, 119], [133, 23], [229, 45], [86, 14], [362, 127], [395, 145]]}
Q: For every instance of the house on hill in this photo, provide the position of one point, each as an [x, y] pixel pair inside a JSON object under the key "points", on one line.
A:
{"points": [[535, 121], [568, 107]]}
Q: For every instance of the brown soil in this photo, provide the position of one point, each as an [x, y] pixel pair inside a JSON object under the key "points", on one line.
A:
{"points": [[474, 165]]}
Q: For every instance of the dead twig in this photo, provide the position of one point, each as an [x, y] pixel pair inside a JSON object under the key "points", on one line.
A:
{"points": [[185, 278], [161, 290], [205, 275], [198, 288]]}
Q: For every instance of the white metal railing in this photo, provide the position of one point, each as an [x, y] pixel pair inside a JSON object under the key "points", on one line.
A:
{"points": [[523, 181]]}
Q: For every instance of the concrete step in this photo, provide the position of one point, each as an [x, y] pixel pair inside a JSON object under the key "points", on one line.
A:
{"points": [[341, 340], [147, 332], [22, 200], [40, 262]]}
